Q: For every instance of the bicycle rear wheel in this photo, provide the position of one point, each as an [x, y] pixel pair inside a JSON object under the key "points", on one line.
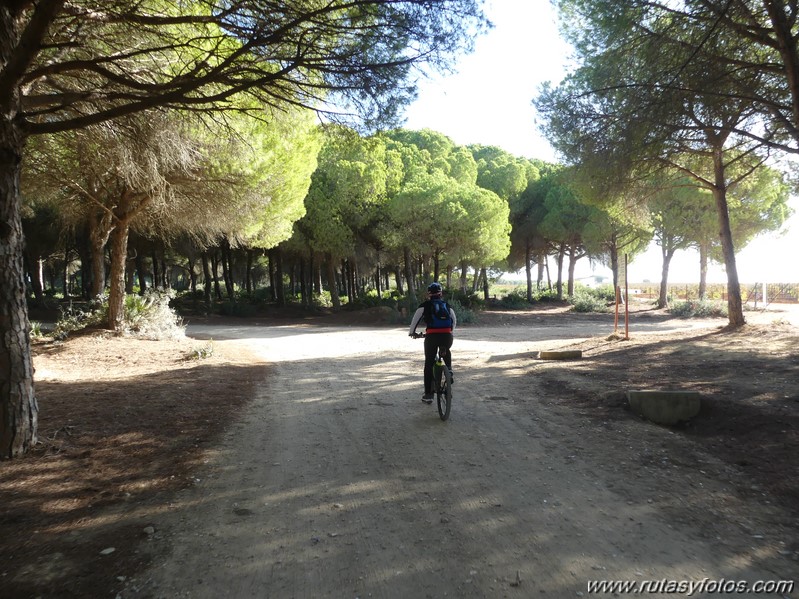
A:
{"points": [[444, 394]]}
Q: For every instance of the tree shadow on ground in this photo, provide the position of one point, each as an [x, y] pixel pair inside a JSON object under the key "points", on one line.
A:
{"points": [[111, 453]]}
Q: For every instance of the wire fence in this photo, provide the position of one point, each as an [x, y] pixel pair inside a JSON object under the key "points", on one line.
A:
{"points": [[755, 293]]}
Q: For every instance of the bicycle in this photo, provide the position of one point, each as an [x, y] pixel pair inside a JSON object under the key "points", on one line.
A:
{"points": [[442, 382]]}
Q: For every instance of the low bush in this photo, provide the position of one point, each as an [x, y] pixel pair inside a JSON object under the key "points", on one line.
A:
{"points": [[515, 300], [238, 309], [150, 316], [201, 352], [462, 313], [36, 330], [586, 299], [76, 317], [466, 299], [698, 309]]}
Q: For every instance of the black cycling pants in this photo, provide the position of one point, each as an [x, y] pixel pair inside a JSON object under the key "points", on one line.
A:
{"points": [[432, 342]]}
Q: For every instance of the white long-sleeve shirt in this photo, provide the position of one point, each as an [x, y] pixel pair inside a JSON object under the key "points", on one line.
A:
{"points": [[419, 314]]}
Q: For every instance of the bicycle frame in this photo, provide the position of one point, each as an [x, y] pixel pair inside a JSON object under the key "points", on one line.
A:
{"points": [[442, 381]]}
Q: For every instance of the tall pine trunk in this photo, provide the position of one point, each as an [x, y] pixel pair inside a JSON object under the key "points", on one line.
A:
{"points": [[528, 268], [409, 278], [704, 252], [100, 225], [572, 265], [116, 280], [735, 311], [331, 282], [18, 408], [668, 253], [207, 279], [559, 284]]}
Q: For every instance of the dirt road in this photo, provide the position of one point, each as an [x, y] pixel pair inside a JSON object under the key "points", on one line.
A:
{"points": [[340, 482]]}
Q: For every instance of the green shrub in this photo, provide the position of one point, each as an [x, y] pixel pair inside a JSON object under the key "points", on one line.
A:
{"points": [[698, 309], [545, 295], [322, 300], [467, 299], [372, 300], [76, 318], [605, 292], [462, 313], [515, 300], [587, 300], [238, 309], [150, 316], [36, 330], [201, 352]]}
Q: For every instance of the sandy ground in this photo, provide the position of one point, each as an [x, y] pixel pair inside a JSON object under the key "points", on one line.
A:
{"points": [[337, 481]]}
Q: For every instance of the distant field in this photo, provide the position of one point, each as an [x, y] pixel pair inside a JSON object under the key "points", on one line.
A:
{"points": [[776, 293]]}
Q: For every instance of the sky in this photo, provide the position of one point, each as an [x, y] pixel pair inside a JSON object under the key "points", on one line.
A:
{"points": [[489, 101]]}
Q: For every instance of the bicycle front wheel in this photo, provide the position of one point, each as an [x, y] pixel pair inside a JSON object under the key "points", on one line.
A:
{"points": [[444, 394]]}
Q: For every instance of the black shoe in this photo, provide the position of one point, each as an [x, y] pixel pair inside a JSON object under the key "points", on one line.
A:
{"points": [[427, 398]]}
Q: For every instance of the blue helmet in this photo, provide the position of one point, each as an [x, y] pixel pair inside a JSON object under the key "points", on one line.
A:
{"points": [[435, 289]]}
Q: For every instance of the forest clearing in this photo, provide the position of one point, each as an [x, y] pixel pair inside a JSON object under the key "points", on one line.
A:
{"points": [[296, 460], [246, 166]]}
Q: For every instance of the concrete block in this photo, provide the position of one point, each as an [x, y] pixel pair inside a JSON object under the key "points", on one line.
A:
{"points": [[572, 354], [665, 407]]}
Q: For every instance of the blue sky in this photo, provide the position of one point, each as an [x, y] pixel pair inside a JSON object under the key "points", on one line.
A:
{"points": [[489, 101]]}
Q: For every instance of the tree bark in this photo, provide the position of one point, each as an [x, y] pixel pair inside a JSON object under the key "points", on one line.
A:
{"points": [[572, 265], [614, 263], [543, 266], [272, 284], [130, 278], [215, 275], [304, 296], [528, 269], [18, 408], [559, 283], [704, 252], [787, 47], [248, 273], [141, 273], [279, 290], [34, 266], [100, 225], [735, 311], [156, 270], [227, 269], [116, 280], [406, 258], [331, 282], [668, 254], [19, 412], [378, 279], [192, 276], [207, 282], [398, 280]]}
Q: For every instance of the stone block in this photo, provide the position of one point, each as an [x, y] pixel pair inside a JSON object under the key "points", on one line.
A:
{"points": [[665, 406]]}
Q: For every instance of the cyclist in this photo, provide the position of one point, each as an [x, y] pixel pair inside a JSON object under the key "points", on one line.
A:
{"points": [[440, 321]]}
